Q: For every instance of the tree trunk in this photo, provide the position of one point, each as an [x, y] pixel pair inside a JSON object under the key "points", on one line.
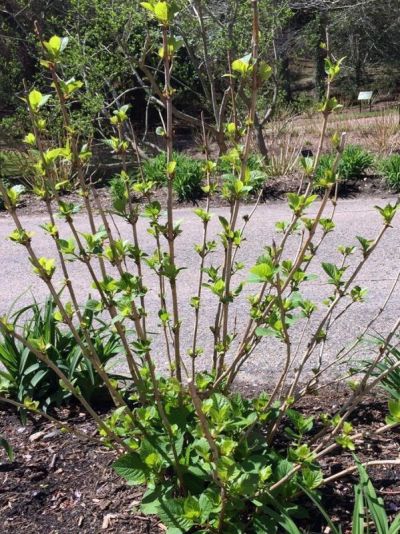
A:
{"points": [[220, 140], [262, 147], [286, 78]]}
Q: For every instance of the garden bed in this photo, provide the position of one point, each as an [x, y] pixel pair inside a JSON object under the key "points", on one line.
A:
{"points": [[275, 189], [58, 483]]}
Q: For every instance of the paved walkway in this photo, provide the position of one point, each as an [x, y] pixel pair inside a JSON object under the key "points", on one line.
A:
{"points": [[353, 217]]}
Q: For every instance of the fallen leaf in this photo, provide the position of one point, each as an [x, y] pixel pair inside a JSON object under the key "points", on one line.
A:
{"points": [[36, 436], [107, 520]]}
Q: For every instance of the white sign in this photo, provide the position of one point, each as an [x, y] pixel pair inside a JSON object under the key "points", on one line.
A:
{"points": [[365, 95]]}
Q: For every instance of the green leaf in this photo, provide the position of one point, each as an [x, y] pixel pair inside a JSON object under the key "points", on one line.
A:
{"points": [[262, 272], [264, 71], [46, 267], [395, 526], [161, 11], [51, 155], [132, 469], [346, 442], [263, 331], [148, 6], [152, 498], [388, 212], [171, 513], [365, 243], [37, 100], [54, 43], [282, 518], [173, 46], [312, 478], [34, 98], [335, 273], [171, 167], [55, 46], [374, 503], [207, 506], [30, 139], [394, 409], [243, 65], [225, 468], [191, 509], [358, 511], [302, 424]]}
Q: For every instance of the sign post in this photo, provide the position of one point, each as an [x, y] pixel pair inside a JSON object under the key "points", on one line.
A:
{"points": [[365, 96]]}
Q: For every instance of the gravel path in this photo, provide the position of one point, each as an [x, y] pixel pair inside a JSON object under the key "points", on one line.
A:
{"points": [[353, 217]]}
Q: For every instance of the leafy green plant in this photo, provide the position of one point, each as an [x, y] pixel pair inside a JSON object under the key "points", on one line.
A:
{"points": [[354, 162], [223, 466], [26, 379], [229, 164], [369, 505], [389, 168], [10, 168], [187, 179], [255, 163], [352, 166]]}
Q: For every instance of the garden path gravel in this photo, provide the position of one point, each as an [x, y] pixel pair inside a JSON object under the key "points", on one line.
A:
{"points": [[353, 217]]}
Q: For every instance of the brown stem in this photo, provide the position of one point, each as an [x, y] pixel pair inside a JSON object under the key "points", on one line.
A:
{"points": [[170, 215], [353, 468], [203, 256]]}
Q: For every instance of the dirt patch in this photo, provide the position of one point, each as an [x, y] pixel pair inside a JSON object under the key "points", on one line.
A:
{"points": [[60, 484]]}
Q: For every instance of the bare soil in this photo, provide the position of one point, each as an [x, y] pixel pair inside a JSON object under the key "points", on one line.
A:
{"points": [[59, 484]]}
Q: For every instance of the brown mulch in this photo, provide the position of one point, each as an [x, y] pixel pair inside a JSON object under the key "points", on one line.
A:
{"points": [[338, 497], [59, 484], [275, 189]]}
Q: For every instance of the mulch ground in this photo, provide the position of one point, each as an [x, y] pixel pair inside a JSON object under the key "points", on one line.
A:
{"points": [[276, 189], [60, 484]]}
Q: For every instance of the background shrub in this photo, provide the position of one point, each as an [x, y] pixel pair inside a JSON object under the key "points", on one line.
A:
{"points": [[354, 163], [188, 175], [389, 168], [17, 164]]}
